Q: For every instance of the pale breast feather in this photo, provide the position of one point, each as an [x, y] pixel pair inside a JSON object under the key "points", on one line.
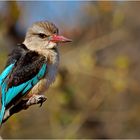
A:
{"points": [[52, 68]]}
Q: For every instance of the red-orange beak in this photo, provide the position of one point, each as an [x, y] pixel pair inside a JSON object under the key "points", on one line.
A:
{"points": [[59, 39]]}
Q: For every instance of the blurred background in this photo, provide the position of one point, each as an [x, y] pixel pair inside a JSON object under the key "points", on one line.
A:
{"points": [[97, 92]]}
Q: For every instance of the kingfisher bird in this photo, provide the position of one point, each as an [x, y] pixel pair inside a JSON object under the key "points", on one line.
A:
{"points": [[31, 67]]}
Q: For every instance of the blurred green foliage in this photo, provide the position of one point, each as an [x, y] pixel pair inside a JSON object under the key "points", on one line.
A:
{"points": [[96, 93]]}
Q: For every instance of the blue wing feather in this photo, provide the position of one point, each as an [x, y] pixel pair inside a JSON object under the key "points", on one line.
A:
{"points": [[42, 71], [35, 80], [2, 113], [6, 72], [8, 96], [13, 92]]}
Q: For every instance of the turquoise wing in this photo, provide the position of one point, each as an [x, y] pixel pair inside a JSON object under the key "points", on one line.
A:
{"points": [[4, 74], [11, 93], [24, 87]]}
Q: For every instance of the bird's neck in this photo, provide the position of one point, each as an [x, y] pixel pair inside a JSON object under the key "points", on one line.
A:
{"points": [[51, 55]]}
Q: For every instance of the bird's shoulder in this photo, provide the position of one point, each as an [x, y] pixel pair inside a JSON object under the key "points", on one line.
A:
{"points": [[16, 53], [23, 55]]}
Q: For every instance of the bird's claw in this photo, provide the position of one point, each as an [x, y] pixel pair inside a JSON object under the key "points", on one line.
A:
{"points": [[36, 99], [42, 99]]}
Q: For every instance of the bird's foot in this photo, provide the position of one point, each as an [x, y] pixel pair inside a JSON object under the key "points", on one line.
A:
{"points": [[36, 99]]}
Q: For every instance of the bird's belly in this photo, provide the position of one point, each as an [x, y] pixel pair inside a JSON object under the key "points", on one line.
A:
{"points": [[44, 83]]}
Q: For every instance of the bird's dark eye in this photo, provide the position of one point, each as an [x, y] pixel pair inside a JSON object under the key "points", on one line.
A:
{"points": [[41, 35]]}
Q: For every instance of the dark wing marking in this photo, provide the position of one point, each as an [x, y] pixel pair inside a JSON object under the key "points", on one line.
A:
{"points": [[16, 54], [26, 68]]}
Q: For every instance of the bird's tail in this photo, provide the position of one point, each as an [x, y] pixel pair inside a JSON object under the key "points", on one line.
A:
{"points": [[2, 112], [3, 86]]}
